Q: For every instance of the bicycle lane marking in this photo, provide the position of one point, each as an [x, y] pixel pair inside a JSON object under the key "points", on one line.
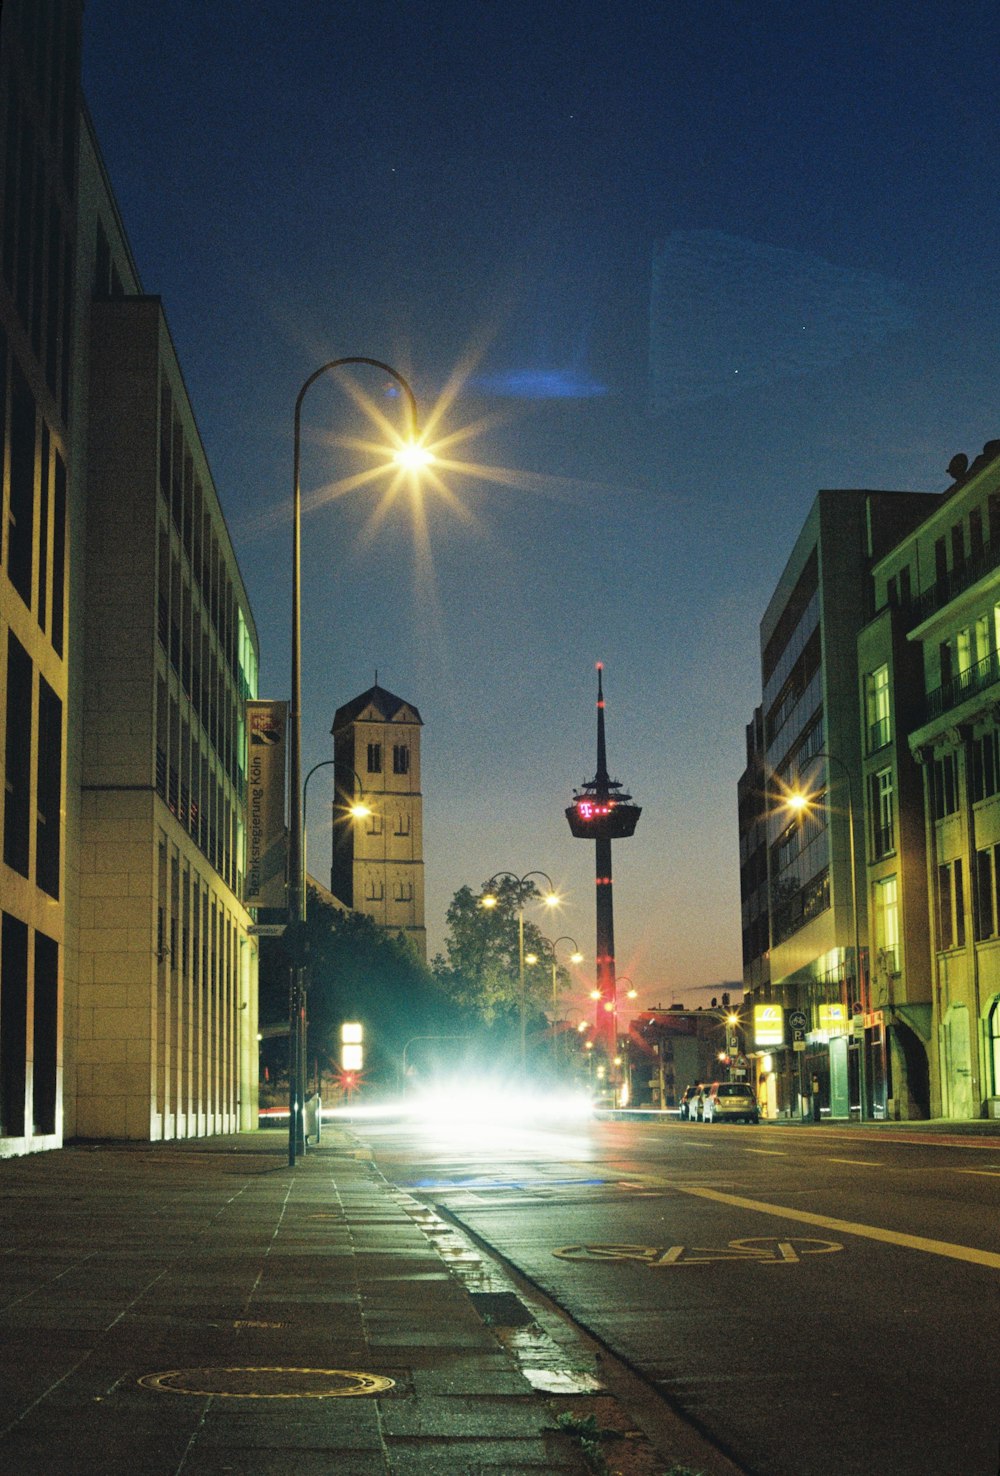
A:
{"points": [[850, 1227]]}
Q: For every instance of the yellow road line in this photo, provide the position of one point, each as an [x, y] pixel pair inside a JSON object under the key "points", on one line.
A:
{"points": [[983, 1173], [849, 1227]]}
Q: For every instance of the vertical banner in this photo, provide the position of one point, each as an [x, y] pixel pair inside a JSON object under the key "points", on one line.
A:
{"points": [[267, 840]]}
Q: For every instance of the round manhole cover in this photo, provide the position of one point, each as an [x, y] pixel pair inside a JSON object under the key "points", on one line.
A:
{"points": [[266, 1383]]}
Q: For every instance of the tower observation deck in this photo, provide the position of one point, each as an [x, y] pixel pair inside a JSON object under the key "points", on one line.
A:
{"points": [[601, 811]]}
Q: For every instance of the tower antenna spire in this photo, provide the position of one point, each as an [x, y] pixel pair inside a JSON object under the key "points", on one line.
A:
{"points": [[602, 812]]}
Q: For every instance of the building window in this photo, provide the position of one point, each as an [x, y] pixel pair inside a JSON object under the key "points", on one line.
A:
{"points": [[374, 825], [995, 1046], [400, 758], [986, 916], [402, 891], [48, 789], [944, 786], [877, 709], [374, 758], [985, 765], [402, 824], [21, 514], [17, 778], [887, 923], [882, 813], [950, 905], [374, 891]]}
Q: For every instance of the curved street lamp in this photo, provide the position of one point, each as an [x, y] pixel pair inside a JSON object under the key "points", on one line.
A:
{"points": [[357, 809], [551, 899], [411, 455], [801, 803], [575, 957]]}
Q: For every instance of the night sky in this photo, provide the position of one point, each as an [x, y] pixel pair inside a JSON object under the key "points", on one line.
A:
{"points": [[667, 269]]}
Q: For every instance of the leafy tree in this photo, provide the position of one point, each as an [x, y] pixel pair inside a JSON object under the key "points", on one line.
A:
{"points": [[357, 971], [479, 970]]}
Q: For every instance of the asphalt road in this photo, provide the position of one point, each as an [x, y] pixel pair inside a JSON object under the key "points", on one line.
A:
{"points": [[817, 1301]]}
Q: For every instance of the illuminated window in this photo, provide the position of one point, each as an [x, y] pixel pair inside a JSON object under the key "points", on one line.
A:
{"points": [[887, 922], [882, 812], [877, 709]]}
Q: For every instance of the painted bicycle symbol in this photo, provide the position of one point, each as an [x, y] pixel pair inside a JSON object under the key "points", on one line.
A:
{"points": [[764, 1250]]}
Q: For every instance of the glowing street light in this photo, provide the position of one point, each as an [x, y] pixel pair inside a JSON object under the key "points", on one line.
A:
{"points": [[296, 832], [357, 808], [549, 899]]}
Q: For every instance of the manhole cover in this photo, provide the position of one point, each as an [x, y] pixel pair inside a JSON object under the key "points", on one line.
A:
{"points": [[266, 1383]]}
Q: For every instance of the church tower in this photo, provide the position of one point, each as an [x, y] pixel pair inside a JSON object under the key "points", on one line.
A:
{"points": [[378, 865]]}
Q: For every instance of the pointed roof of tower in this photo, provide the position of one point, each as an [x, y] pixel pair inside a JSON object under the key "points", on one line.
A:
{"points": [[377, 705]]}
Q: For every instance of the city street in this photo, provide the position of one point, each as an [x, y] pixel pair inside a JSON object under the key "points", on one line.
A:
{"points": [[815, 1299]]}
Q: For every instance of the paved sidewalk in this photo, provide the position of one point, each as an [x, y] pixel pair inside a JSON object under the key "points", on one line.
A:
{"points": [[202, 1308]]}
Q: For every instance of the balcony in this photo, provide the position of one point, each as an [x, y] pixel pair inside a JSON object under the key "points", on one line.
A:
{"points": [[984, 561], [960, 688]]}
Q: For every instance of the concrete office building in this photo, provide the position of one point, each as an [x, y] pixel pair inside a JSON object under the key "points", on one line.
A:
{"points": [[127, 977], [378, 866]]}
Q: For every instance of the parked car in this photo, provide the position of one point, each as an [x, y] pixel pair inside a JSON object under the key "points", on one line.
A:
{"points": [[730, 1101], [688, 1106]]}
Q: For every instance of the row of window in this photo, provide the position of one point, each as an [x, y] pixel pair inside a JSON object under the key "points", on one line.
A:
{"points": [[19, 433], [19, 744], [19, 981], [186, 503], [400, 758], [37, 249], [402, 891], [401, 824]]}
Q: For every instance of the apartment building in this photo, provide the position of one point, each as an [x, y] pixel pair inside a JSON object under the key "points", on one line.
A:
{"points": [[806, 742], [930, 664]]}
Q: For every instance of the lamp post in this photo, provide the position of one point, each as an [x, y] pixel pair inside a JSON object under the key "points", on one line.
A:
{"points": [[575, 957], [357, 809], [802, 802], [550, 900], [296, 858]]}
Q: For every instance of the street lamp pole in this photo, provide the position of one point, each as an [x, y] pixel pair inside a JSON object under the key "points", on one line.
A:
{"points": [[551, 899], [575, 957], [832, 758], [358, 809], [296, 859]]}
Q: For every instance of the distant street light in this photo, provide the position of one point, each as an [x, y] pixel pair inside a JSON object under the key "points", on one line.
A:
{"points": [[550, 899], [296, 857], [575, 957], [357, 809]]}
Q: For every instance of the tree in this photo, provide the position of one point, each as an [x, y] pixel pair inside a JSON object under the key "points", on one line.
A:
{"points": [[480, 967], [357, 971]]}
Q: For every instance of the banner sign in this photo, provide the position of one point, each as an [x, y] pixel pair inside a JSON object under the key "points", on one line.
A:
{"points": [[267, 843]]}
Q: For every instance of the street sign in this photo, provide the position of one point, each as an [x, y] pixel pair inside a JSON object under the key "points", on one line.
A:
{"points": [[266, 930], [857, 1008], [798, 1045], [797, 1019]]}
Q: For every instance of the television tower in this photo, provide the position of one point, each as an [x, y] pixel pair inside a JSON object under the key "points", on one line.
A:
{"points": [[602, 812]]}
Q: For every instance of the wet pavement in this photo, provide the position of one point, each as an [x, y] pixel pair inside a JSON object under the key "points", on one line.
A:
{"points": [[201, 1307]]}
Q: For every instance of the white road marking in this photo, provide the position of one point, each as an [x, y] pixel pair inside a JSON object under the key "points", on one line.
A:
{"points": [[850, 1227]]}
